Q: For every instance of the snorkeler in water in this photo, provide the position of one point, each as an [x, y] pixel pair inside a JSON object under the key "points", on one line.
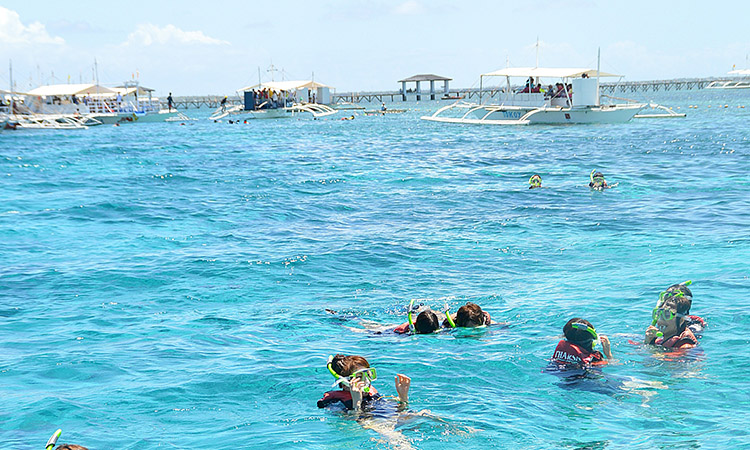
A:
{"points": [[469, 315], [577, 350], [598, 182], [672, 325], [535, 181], [354, 376]]}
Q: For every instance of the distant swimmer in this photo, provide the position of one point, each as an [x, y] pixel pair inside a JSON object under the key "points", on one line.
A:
{"points": [[427, 321], [535, 181], [598, 182], [672, 326], [348, 118], [383, 108], [577, 350]]}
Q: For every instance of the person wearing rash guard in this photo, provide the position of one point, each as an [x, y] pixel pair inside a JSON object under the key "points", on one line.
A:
{"points": [[672, 325], [577, 349], [355, 376]]}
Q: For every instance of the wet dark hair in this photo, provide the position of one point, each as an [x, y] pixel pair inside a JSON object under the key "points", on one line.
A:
{"points": [[680, 288], [581, 338], [346, 365], [469, 315], [70, 447], [681, 303], [427, 322], [598, 174]]}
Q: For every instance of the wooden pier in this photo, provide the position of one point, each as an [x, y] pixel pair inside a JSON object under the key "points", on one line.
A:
{"points": [[681, 84]]}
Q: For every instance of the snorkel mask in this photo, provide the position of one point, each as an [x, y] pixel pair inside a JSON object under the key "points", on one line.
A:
{"points": [[664, 295], [535, 181], [412, 309], [596, 177], [591, 330], [367, 375]]}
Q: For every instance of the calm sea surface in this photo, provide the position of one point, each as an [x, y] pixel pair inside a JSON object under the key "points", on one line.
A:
{"points": [[166, 286]]}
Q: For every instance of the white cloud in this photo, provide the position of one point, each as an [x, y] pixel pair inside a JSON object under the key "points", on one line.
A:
{"points": [[150, 34], [409, 8], [12, 31]]}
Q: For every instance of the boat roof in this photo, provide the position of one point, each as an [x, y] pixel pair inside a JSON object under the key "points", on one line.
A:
{"points": [[739, 72], [127, 90], [545, 72], [287, 85], [69, 89]]}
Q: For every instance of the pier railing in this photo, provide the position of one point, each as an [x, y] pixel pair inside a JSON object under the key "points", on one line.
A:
{"points": [[681, 84]]}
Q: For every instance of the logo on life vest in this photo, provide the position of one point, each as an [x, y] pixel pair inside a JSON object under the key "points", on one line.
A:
{"points": [[566, 357]]}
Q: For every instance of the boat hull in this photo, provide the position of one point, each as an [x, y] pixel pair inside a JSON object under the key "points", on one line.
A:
{"points": [[523, 115], [149, 117]]}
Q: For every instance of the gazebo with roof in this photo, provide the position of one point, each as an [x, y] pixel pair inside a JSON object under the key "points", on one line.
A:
{"points": [[424, 77]]}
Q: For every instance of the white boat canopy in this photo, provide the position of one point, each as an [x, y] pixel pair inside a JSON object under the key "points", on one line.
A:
{"points": [[69, 89], [287, 85], [547, 72], [740, 72], [129, 90]]}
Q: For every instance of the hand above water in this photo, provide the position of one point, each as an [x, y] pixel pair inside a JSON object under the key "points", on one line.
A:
{"points": [[402, 387], [605, 346], [650, 334]]}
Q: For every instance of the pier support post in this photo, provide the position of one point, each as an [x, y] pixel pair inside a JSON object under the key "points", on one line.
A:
{"points": [[403, 91], [446, 90], [432, 89], [419, 92]]}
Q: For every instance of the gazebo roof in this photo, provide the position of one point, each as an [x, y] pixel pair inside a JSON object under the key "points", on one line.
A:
{"points": [[424, 77]]}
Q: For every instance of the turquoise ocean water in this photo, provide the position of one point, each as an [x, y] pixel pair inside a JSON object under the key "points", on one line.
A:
{"points": [[165, 286]]}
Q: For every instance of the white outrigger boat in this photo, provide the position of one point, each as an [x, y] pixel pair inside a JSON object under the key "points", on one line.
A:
{"points": [[576, 101], [124, 104], [742, 83], [284, 101]]}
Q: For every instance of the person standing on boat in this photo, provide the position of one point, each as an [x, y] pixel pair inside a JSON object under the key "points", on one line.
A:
{"points": [[169, 102], [224, 104]]}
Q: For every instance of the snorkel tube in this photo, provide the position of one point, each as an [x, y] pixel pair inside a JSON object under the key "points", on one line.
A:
{"points": [[412, 328], [53, 440], [591, 175], [448, 316]]}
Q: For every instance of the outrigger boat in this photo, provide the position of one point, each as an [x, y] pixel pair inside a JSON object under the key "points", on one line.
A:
{"points": [[576, 101], [127, 103], [743, 83], [284, 101]]}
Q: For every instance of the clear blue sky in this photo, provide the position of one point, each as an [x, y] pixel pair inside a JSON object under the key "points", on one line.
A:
{"points": [[204, 47]]}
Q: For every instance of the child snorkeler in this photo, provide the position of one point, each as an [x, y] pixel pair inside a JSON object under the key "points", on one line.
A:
{"points": [[672, 325], [577, 349], [355, 376]]}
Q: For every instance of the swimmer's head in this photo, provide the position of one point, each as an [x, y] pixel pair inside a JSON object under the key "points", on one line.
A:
{"points": [[470, 315], [580, 332], [535, 181], [345, 365], [427, 322], [70, 447]]}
